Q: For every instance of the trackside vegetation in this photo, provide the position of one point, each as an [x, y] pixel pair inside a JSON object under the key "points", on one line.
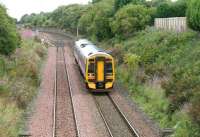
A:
{"points": [[160, 69], [20, 63], [19, 74]]}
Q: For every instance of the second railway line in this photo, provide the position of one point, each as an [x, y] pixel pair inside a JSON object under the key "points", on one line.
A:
{"points": [[64, 118]]}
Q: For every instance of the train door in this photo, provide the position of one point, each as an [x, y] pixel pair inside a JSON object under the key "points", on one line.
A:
{"points": [[100, 71]]}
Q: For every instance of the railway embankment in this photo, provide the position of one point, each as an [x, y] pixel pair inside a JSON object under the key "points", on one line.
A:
{"points": [[19, 82], [160, 69]]}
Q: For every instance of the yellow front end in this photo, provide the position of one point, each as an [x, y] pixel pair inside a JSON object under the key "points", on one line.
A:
{"points": [[100, 72], [92, 85]]}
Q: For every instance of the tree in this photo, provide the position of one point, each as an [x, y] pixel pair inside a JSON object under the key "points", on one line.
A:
{"points": [[9, 38], [193, 14], [95, 21], [130, 19], [66, 17]]}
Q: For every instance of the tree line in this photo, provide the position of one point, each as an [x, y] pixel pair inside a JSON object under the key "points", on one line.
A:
{"points": [[104, 19]]}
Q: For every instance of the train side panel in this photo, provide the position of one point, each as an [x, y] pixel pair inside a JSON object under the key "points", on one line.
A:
{"points": [[80, 60]]}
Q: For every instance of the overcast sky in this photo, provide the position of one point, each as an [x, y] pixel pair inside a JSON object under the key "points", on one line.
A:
{"points": [[17, 8]]}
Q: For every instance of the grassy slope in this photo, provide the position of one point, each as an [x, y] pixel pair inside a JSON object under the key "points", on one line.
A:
{"points": [[161, 71], [20, 79]]}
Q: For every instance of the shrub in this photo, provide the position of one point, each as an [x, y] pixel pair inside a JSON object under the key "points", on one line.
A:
{"points": [[193, 14], [23, 72], [130, 19], [132, 61], [195, 107]]}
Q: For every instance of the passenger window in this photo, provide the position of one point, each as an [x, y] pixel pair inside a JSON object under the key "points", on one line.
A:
{"points": [[91, 68]]}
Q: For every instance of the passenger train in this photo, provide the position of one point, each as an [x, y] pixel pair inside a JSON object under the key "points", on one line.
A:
{"points": [[96, 65]]}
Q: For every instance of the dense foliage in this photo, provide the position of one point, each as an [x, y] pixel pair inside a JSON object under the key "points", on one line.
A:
{"points": [[103, 19], [67, 16], [167, 65], [130, 19], [9, 38], [193, 14], [120, 3], [172, 9], [95, 21]]}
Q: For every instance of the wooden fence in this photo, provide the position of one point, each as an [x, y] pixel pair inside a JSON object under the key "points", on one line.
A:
{"points": [[177, 24]]}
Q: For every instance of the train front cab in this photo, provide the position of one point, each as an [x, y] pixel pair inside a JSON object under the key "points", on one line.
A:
{"points": [[100, 73]]}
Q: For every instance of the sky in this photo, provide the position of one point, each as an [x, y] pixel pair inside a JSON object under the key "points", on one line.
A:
{"points": [[17, 8]]}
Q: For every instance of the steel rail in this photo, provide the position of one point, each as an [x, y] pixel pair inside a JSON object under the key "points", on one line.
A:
{"points": [[102, 116], [55, 99], [70, 91], [124, 117]]}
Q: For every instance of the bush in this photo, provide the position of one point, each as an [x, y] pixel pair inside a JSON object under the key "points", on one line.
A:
{"points": [[9, 38], [193, 14], [129, 19], [195, 107], [132, 61]]}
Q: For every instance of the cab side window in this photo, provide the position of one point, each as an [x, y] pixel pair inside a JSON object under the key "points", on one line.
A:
{"points": [[91, 68], [109, 68]]}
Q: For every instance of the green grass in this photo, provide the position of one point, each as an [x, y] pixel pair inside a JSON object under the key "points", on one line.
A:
{"points": [[20, 79]]}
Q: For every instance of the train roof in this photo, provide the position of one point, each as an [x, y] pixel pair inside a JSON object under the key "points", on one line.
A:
{"points": [[87, 48], [82, 41]]}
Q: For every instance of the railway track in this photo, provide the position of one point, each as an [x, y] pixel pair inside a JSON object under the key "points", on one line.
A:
{"points": [[114, 119], [64, 122]]}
